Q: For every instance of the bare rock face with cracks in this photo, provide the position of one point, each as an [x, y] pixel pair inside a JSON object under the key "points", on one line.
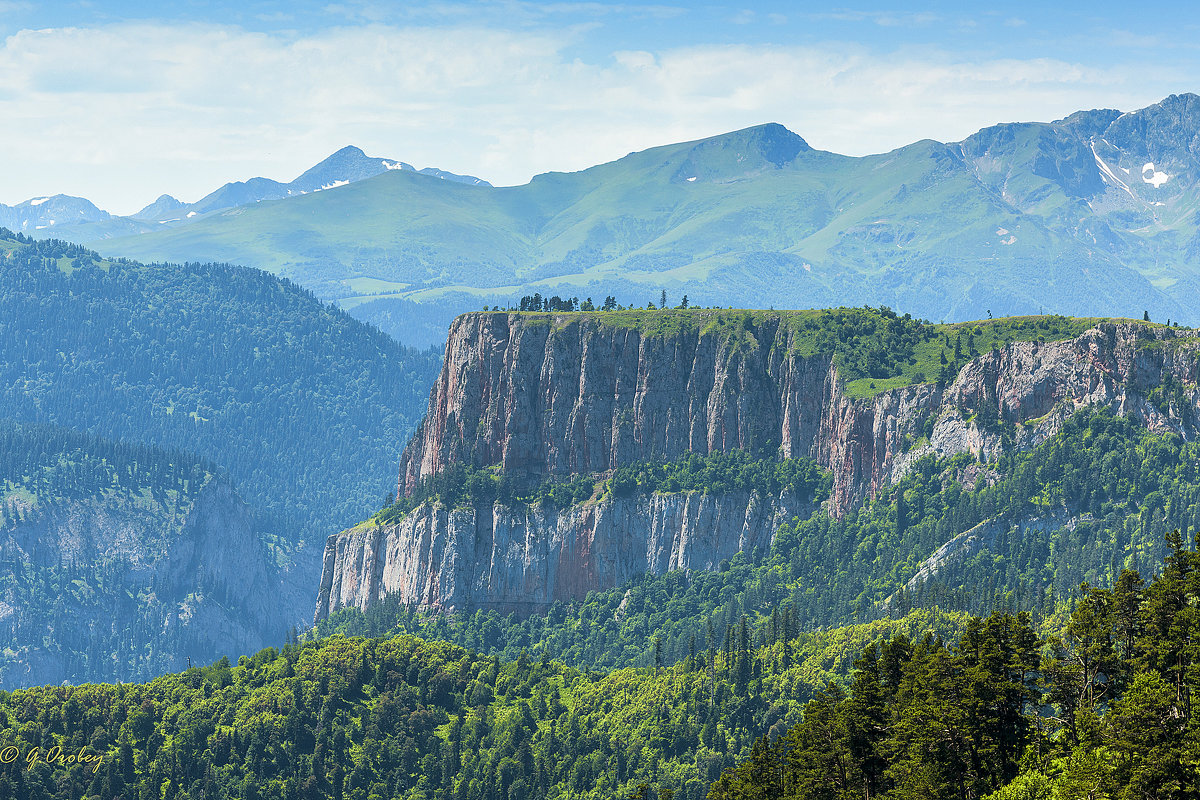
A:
{"points": [[543, 396]]}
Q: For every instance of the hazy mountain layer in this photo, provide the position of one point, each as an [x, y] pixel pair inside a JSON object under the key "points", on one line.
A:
{"points": [[75, 219], [303, 407], [121, 562]]}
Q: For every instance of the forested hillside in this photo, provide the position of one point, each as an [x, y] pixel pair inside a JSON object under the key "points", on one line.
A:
{"points": [[402, 718], [1107, 710], [304, 407], [936, 705], [297, 408]]}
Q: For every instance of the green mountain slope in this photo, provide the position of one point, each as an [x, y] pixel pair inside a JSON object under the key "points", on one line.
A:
{"points": [[1105, 711], [931, 705], [302, 406], [1012, 220]]}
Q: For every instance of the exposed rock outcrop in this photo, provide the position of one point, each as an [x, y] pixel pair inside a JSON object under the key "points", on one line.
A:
{"points": [[543, 395], [206, 589], [573, 393], [523, 559]]}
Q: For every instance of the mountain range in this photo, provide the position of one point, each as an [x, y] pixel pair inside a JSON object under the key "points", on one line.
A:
{"points": [[1091, 214], [77, 220]]}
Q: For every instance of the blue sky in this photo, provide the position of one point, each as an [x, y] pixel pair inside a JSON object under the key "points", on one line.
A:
{"points": [[119, 102]]}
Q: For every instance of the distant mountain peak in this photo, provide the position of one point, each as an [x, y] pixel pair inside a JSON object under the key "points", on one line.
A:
{"points": [[46, 211], [741, 153], [776, 143], [1186, 100], [1156, 149], [163, 207], [348, 165], [770, 139]]}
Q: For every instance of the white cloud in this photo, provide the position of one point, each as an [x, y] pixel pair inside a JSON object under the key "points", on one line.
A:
{"points": [[122, 113]]}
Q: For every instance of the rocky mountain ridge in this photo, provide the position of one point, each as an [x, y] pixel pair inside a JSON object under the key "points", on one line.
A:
{"points": [[77, 219], [346, 166], [542, 395], [40, 213]]}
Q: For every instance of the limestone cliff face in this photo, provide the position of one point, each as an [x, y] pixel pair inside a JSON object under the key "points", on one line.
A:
{"points": [[1117, 365], [220, 581], [541, 395], [523, 559]]}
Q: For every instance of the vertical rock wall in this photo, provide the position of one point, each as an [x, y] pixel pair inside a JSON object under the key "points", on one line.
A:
{"points": [[553, 395]]}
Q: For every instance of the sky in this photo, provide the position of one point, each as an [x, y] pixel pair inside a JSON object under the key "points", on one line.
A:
{"points": [[120, 102]]}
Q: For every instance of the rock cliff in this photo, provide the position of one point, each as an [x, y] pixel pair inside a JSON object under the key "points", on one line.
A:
{"points": [[204, 589], [547, 395], [523, 559]]}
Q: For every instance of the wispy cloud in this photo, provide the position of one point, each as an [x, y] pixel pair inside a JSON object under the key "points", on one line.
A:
{"points": [[886, 19], [508, 11], [607, 9], [124, 112]]}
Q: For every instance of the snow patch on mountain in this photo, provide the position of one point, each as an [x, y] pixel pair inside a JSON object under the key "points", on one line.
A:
{"points": [[1154, 177], [1109, 174]]}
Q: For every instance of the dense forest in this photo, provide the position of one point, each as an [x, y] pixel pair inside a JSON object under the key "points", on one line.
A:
{"points": [[305, 408], [1094, 499], [41, 465], [1104, 711], [360, 718], [124, 389]]}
